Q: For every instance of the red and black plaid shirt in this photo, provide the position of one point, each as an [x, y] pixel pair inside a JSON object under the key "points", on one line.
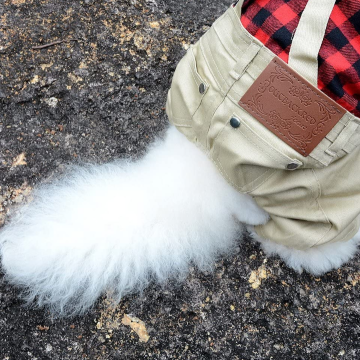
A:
{"points": [[273, 22]]}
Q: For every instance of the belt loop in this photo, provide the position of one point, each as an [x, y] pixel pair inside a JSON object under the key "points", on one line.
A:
{"points": [[244, 61], [341, 141], [354, 139]]}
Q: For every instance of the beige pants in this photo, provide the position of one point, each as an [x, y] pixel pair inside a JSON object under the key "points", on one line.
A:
{"points": [[311, 199]]}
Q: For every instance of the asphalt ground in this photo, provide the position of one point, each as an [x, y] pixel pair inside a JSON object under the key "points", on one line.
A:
{"points": [[97, 94]]}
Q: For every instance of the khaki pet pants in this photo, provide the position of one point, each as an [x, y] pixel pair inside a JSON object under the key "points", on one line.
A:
{"points": [[311, 194]]}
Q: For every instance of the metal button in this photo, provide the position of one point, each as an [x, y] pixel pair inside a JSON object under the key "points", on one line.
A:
{"points": [[202, 88], [234, 122], [292, 166]]}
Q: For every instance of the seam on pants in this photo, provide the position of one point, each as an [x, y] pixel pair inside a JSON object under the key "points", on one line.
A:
{"points": [[234, 56], [225, 174], [236, 26], [261, 150], [346, 235], [192, 71], [321, 209], [244, 31], [263, 182], [221, 91], [179, 118], [208, 65], [181, 125], [219, 169], [233, 90], [215, 64], [210, 123], [239, 189], [237, 35]]}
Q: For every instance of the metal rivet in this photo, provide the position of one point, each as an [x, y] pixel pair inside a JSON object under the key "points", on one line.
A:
{"points": [[234, 122], [292, 166], [202, 88]]}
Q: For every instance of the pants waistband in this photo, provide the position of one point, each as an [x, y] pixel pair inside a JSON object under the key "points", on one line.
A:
{"points": [[242, 52]]}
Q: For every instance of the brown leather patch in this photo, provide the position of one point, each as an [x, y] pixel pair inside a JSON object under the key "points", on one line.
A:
{"points": [[290, 107]]}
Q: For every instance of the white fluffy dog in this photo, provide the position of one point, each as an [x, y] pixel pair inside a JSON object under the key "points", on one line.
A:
{"points": [[119, 226]]}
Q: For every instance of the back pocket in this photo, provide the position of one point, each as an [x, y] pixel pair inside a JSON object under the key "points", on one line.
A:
{"points": [[246, 159], [186, 92]]}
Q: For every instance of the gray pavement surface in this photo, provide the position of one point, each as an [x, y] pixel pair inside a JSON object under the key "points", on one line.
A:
{"points": [[100, 95]]}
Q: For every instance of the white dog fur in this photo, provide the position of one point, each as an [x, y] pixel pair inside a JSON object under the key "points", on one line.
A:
{"points": [[116, 227]]}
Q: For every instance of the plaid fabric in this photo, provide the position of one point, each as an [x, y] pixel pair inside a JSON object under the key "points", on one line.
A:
{"points": [[274, 21]]}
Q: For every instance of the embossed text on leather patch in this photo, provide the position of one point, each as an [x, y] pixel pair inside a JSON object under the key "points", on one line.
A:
{"points": [[290, 107]]}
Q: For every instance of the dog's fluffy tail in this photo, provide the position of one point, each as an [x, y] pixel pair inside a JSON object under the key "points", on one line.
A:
{"points": [[119, 226]]}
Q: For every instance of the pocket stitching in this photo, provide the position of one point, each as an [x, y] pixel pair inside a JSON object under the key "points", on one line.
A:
{"points": [[261, 150], [194, 72], [226, 175], [198, 80], [192, 65], [217, 68], [240, 188]]}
